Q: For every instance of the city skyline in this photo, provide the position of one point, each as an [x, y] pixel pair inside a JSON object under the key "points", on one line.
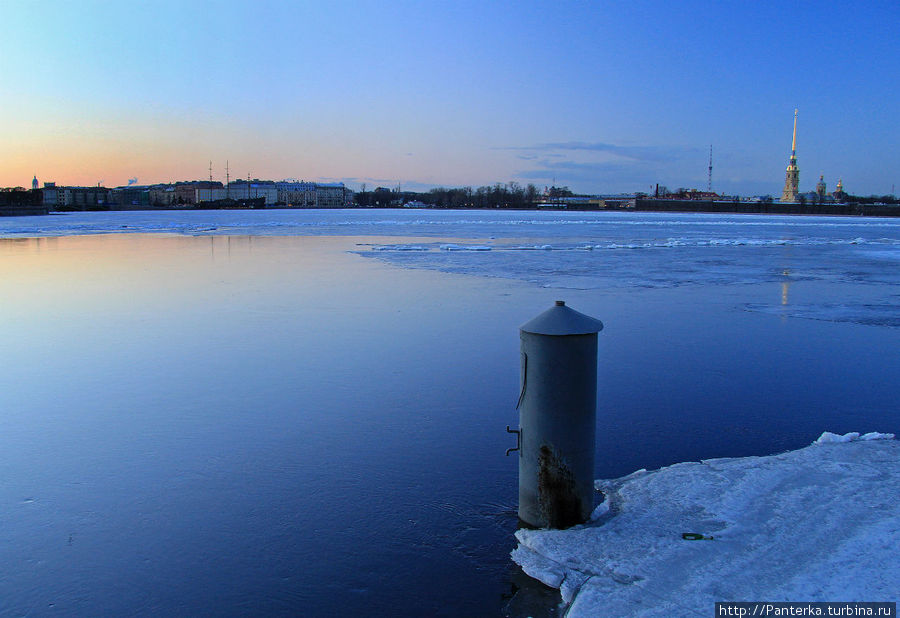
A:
{"points": [[597, 97]]}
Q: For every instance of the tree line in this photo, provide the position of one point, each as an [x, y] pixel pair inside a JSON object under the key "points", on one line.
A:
{"points": [[510, 195], [872, 199]]}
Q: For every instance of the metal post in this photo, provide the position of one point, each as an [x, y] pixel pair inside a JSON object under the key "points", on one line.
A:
{"points": [[557, 418]]}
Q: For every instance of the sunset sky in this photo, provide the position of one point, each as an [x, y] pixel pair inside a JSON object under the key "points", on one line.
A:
{"points": [[604, 97]]}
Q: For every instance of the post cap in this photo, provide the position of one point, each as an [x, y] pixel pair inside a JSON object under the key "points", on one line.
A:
{"points": [[562, 320]]}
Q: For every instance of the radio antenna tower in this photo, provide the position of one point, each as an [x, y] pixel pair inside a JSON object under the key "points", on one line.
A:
{"points": [[210, 171], [709, 177], [227, 180]]}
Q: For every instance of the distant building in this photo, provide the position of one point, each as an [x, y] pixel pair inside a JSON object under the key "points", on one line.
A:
{"points": [[839, 195], [314, 194], [162, 195], [130, 197], [34, 183], [244, 190], [820, 188], [694, 194], [82, 198], [73, 198], [193, 193], [198, 190], [51, 195], [297, 194], [208, 194], [573, 203], [21, 202], [792, 177], [810, 197], [333, 195]]}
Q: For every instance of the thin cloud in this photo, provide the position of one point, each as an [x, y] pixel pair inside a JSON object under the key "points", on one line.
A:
{"points": [[647, 154], [615, 176], [354, 182], [571, 171], [605, 166]]}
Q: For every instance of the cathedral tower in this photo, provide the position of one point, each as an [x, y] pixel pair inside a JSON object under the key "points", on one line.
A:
{"points": [[839, 194], [820, 187], [792, 178]]}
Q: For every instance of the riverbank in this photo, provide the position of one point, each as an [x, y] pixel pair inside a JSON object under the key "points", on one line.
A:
{"points": [[767, 208], [816, 524]]}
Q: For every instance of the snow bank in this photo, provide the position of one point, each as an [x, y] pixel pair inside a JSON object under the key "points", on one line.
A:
{"points": [[455, 247], [399, 248], [820, 523], [828, 437]]}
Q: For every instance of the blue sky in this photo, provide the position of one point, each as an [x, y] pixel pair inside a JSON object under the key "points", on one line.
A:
{"points": [[599, 96]]}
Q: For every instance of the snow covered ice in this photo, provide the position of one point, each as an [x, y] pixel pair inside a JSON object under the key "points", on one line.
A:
{"points": [[821, 523], [828, 437]]}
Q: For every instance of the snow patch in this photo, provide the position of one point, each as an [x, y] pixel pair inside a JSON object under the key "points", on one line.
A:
{"points": [[455, 247], [601, 510], [815, 523], [828, 438], [399, 248]]}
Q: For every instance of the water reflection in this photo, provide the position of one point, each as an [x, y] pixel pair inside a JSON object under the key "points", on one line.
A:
{"points": [[785, 286], [197, 424], [269, 423]]}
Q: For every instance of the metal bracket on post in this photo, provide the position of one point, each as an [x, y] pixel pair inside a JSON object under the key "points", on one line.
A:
{"points": [[518, 433], [524, 380]]}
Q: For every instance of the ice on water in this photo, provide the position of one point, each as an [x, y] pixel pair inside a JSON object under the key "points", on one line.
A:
{"points": [[820, 523], [872, 314], [576, 250], [828, 437]]}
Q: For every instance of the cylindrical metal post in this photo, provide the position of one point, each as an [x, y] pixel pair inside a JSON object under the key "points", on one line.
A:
{"points": [[557, 418]]}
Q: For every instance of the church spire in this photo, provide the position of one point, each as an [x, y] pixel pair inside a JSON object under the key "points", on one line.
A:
{"points": [[792, 177], [794, 141]]}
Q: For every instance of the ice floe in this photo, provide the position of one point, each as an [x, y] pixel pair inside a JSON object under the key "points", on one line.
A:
{"points": [[574, 250], [399, 248], [455, 247], [828, 437], [821, 523], [871, 314]]}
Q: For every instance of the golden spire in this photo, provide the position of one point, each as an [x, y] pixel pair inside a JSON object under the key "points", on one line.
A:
{"points": [[794, 142], [792, 177]]}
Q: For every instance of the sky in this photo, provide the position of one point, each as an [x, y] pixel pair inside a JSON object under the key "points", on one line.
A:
{"points": [[602, 97]]}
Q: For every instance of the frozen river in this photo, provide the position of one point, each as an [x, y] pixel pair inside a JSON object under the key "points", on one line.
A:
{"points": [[303, 411]]}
